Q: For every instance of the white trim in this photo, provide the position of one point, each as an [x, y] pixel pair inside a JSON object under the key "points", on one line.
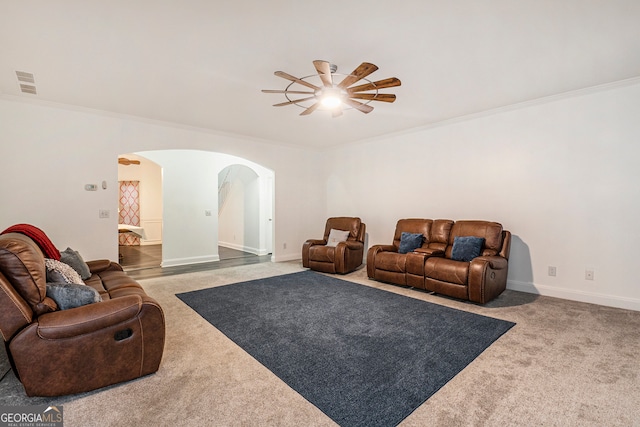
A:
{"points": [[573, 295], [242, 248], [153, 231], [187, 261]]}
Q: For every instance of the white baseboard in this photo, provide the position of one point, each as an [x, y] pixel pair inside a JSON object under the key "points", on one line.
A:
{"points": [[191, 260], [242, 248], [285, 257], [574, 295], [150, 242]]}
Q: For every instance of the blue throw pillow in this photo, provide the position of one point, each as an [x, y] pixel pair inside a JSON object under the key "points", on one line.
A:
{"points": [[409, 242], [72, 295], [74, 259], [466, 248]]}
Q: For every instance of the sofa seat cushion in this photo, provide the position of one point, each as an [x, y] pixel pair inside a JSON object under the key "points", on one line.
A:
{"points": [[447, 270], [320, 253], [391, 261]]}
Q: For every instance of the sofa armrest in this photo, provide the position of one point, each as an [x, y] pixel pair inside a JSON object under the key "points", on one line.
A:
{"points": [[371, 257], [347, 255], [352, 245], [96, 266], [305, 249], [383, 248], [88, 318], [487, 278], [430, 251], [494, 262]]}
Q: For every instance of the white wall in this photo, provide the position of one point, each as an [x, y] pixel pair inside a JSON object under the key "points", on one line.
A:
{"points": [[239, 218], [562, 175], [48, 153]]}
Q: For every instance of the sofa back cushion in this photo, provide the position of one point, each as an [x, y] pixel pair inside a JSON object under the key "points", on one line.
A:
{"points": [[22, 264], [15, 313], [351, 224], [413, 226], [491, 232]]}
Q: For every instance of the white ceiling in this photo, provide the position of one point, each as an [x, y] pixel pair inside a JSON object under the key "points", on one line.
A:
{"points": [[203, 63]]}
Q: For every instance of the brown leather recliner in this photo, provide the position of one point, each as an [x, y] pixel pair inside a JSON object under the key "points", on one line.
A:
{"points": [[56, 352], [431, 266], [386, 264], [345, 257], [479, 280]]}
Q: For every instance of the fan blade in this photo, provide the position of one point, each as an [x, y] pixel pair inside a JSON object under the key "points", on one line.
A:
{"points": [[380, 84], [385, 97], [295, 79], [282, 104], [324, 71], [287, 91], [337, 112], [127, 162], [358, 105], [310, 109], [359, 73]]}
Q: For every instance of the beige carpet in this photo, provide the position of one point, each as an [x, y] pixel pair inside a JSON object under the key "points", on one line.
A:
{"points": [[563, 364]]}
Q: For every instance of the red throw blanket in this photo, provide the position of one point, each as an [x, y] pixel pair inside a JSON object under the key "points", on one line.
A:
{"points": [[38, 236]]}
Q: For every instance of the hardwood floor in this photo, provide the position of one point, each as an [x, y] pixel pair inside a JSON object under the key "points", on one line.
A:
{"points": [[143, 262]]}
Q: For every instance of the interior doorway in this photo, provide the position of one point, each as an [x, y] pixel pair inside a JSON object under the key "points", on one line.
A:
{"points": [[238, 211], [180, 224], [139, 212]]}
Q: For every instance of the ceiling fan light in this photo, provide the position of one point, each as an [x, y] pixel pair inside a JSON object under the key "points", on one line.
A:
{"points": [[331, 101]]}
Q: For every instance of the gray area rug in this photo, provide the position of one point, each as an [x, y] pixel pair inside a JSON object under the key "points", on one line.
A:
{"points": [[363, 356]]}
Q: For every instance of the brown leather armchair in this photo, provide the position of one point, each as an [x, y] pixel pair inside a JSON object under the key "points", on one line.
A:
{"points": [[56, 352], [343, 258]]}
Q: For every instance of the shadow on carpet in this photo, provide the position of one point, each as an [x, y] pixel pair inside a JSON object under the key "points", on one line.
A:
{"points": [[363, 356]]}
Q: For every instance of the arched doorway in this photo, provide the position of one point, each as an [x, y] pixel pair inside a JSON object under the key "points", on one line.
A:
{"points": [[238, 212], [190, 221]]}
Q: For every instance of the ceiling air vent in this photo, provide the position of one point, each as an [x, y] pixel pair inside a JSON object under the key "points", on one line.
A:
{"points": [[28, 89], [25, 77]]}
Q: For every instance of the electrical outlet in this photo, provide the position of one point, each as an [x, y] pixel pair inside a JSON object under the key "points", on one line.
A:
{"points": [[284, 246], [552, 271], [588, 274], [208, 212]]}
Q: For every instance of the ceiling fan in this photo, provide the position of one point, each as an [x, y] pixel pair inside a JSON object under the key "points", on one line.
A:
{"points": [[127, 162], [328, 95]]}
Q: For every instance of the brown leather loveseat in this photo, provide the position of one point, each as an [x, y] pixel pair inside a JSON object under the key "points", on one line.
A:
{"points": [[56, 352], [443, 262]]}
